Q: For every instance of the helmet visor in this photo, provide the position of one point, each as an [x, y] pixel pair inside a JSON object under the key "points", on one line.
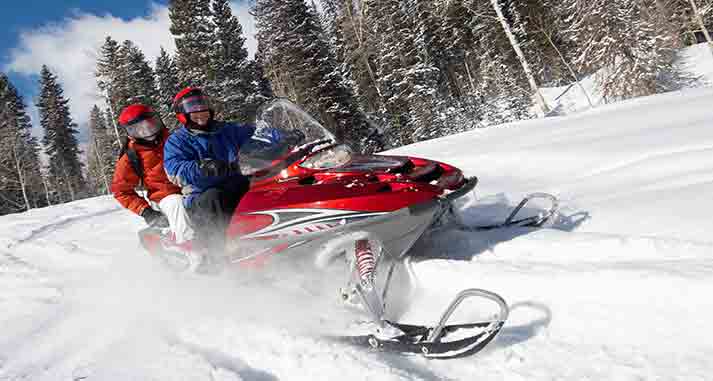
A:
{"points": [[196, 103], [146, 127]]}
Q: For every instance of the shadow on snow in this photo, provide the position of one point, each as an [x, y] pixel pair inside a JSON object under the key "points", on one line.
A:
{"points": [[461, 245]]}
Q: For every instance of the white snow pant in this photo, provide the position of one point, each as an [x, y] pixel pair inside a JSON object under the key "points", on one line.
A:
{"points": [[172, 207]]}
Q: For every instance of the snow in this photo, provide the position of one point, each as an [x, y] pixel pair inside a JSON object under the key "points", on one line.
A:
{"points": [[618, 288]]}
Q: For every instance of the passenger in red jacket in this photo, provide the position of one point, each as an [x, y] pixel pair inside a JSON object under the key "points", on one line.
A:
{"points": [[163, 203]]}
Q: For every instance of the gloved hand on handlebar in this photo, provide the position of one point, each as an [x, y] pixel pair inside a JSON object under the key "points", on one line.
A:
{"points": [[214, 168], [268, 135]]}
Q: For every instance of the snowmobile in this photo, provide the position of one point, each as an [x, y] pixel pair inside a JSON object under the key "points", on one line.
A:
{"points": [[316, 201]]}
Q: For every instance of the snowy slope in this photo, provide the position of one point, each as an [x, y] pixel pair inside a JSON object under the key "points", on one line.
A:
{"points": [[617, 289]]}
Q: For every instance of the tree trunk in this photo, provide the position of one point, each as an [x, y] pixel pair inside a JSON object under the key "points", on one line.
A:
{"points": [[571, 71], [701, 24], [47, 190], [101, 166], [470, 76], [68, 180], [542, 105], [113, 121], [23, 183], [358, 33]]}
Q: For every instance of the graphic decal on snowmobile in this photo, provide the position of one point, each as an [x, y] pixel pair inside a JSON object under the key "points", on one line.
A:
{"points": [[303, 221], [261, 258]]}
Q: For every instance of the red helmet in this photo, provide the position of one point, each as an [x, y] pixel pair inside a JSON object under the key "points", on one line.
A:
{"points": [[188, 100], [140, 122]]}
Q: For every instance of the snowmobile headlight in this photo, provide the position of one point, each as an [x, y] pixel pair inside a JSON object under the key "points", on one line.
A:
{"points": [[329, 158]]}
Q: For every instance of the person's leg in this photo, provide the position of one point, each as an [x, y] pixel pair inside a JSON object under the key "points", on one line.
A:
{"points": [[208, 216], [172, 207], [233, 191]]}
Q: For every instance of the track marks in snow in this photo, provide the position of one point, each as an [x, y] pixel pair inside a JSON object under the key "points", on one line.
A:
{"points": [[553, 248], [225, 363], [24, 283], [649, 158], [59, 225], [21, 282], [30, 306]]}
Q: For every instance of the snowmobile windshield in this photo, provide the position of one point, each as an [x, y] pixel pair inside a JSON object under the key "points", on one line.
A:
{"points": [[285, 134]]}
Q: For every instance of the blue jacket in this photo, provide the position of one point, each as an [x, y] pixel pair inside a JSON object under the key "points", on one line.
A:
{"points": [[185, 149]]}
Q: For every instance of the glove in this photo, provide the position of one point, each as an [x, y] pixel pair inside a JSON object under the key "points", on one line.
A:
{"points": [[274, 135], [214, 168], [154, 218], [268, 135]]}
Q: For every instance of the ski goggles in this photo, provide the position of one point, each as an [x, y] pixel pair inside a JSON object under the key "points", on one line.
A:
{"points": [[196, 103], [145, 126]]}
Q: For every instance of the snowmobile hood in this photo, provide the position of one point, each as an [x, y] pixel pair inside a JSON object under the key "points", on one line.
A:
{"points": [[374, 163]]}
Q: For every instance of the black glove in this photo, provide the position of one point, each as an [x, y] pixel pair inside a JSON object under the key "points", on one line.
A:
{"points": [[215, 168], [154, 218]]}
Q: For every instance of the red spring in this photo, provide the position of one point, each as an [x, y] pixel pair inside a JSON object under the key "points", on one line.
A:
{"points": [[365, 260]]}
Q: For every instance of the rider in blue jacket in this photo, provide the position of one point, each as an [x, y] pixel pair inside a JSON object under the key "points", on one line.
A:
{"points": [[202, 158]]}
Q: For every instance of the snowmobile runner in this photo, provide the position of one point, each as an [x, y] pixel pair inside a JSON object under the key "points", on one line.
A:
{"points": [[317, 202]]}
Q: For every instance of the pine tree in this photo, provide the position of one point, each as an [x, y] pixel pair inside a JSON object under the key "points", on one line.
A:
{"points": [[262, 85], [20, 178], [168, 86], [192, 28], [347, 33], [233, 82], [136, 76], [60, 139], [300, 65], [407, 77], [125, 77], [107, 74]]}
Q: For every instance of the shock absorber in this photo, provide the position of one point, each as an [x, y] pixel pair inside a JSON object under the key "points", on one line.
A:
{"points": [[365, 260], [366, 265]]}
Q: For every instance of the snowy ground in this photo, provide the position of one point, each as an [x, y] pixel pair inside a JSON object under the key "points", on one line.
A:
{"points": [[617, 289]]}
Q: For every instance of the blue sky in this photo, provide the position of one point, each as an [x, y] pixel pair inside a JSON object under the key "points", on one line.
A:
{"points": [[66, 35], [27, 15]]}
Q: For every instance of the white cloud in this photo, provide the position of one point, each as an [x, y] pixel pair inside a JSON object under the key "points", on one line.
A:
{"points": [[70, 49]]}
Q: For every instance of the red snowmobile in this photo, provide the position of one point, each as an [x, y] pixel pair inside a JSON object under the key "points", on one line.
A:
{"points": [[316, 202]]}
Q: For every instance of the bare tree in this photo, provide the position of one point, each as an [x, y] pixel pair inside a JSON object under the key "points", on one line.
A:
{"points": [[541, 25], [539, 100], [698, 15], [17, 166]]}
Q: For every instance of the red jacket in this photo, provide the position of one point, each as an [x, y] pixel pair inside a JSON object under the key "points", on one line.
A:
{"points": [[156, 182]]}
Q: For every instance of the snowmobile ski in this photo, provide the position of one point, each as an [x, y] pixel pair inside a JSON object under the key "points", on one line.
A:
{"points": [[443, 341], [414, 340], [512, 220]]}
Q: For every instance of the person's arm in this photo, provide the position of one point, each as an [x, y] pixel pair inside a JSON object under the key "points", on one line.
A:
{"points": [[123, 187], [180, 162], [243, 133]]}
